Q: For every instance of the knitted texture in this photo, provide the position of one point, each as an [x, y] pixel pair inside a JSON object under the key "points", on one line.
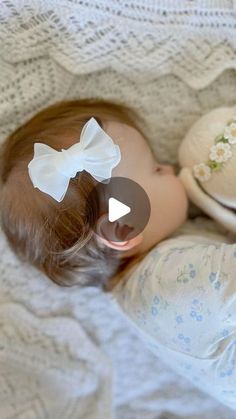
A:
{"points": [[69, 353]]}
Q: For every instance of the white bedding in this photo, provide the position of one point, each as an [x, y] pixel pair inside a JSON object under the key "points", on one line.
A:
{"points": [[67, 353]]}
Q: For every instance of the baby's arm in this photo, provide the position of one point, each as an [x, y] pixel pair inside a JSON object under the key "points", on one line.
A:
{"points": [[184, 299]]}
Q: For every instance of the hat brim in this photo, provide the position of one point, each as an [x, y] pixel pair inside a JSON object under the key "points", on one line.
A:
{"points": [[224, 216]]}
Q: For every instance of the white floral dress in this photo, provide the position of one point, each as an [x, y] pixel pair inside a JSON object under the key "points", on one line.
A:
{"points": [[182, 301]]}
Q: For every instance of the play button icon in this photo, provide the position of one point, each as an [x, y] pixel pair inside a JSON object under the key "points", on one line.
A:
{"points": [[116, 209], [123, 205]]}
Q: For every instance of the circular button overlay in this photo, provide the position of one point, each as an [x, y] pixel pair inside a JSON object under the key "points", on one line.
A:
{"points": [[123, 205]]}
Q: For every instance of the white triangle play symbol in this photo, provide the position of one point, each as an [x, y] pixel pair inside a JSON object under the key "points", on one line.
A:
{"points": [[116, 209]]}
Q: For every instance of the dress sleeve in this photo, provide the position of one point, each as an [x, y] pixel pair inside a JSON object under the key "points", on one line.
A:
{"points": [[183, 297]]}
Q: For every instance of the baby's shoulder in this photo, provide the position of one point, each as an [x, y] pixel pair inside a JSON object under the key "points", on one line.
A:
{"points": [[187, 257], [181, 248], [173, 254]]}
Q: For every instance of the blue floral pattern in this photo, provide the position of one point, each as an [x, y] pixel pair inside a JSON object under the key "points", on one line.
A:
{"points": [[183, 298], [186, 273]]}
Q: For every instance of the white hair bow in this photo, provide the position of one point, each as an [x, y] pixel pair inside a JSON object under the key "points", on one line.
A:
{"points": [[50, 170]]}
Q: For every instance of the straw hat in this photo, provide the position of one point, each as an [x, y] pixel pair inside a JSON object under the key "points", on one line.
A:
{"points": [[207, 157]]}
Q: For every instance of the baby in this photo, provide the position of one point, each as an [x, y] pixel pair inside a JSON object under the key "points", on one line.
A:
{"points": [[178, 291], [56, 237]]}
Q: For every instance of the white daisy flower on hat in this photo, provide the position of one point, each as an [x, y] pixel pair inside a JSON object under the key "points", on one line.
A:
{"points": [[230, 133], [220, 152], [202, 172]]}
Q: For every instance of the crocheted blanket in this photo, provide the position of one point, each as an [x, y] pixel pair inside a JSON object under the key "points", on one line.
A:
{"points": [[67, 353]]}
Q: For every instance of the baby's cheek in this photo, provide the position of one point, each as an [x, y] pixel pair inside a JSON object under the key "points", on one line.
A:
{"points": [[179, 191], [185, 199]]}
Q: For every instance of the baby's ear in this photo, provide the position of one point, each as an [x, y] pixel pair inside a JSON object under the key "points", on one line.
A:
{"points": [[116, 234]]}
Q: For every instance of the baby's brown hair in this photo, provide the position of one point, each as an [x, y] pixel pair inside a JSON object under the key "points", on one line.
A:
{"points": [[56, 237]]}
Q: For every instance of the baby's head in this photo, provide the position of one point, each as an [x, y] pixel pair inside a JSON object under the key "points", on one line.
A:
{"points": [[56, 237]]}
